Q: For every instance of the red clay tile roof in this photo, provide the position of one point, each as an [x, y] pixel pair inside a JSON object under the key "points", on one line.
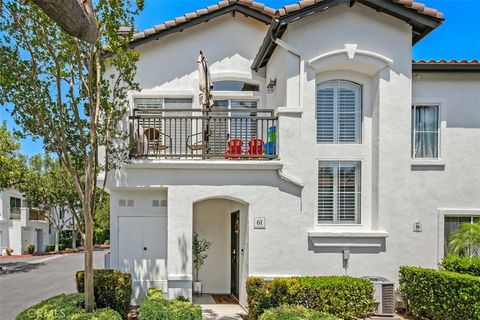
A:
{"points": [[261, 8], [419, 7], [446, 66]]}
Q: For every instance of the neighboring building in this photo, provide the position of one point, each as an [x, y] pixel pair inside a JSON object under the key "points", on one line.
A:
{"points": [[21, 225], [365, 159]]}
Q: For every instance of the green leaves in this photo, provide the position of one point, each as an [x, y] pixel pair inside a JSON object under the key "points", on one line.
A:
{"points": [[156, 307], [343, 297], [465, 265], [12, 163], [466, 241], [199, 252], [433, 294]]}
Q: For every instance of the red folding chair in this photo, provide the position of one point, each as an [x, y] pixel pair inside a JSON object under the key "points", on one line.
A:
{"points": [[235, 147], [255, 147]]}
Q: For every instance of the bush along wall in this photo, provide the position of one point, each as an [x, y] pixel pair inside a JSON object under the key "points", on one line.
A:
{"points": [[464, 265], [66, 306], [289, 312], [156, 307], [341, 296], [112, 288], [438, 294]]}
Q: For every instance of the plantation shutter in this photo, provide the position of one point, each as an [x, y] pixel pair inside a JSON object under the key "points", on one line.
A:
{"points": [[242, 125], [339, 192], [325, 114], [338, 112]]}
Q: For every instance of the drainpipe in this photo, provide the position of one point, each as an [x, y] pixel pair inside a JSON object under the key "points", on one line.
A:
{"points": [[301, 62]]}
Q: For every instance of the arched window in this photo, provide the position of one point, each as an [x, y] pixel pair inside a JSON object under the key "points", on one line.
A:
{"points": [[339, 112]]}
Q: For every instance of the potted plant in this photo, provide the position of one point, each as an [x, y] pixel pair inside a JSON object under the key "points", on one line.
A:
{"points": [[199, 255], [31, 248], [9, 251]]}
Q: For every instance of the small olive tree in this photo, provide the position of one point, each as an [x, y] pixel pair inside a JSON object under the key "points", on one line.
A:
{"points": [[199, 253], [61, 94]]}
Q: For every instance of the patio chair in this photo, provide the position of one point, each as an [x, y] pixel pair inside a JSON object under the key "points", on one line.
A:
{"points": [[196, 146], [154, 142], [255, 147], [235, 147]]}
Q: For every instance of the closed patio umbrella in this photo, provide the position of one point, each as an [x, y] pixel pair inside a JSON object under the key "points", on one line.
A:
{"points": [[206, 100]]}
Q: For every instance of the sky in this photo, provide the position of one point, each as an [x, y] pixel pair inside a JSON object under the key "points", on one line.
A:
{"points": [[457, 38]]}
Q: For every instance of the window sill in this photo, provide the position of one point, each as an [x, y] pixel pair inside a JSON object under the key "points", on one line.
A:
{"points": [[428, 162], [337, 240]]}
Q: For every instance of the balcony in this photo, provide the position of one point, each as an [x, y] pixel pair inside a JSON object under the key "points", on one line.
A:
{"points": [[15, 214], [35, 215], [232, 134]]}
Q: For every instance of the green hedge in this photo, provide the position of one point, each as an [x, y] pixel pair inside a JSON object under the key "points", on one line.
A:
{"points": [[289, 312], [464, 265], [112, 288], [438, 294], [65, 306], [51, 247], [156, 307], [340, 296]]}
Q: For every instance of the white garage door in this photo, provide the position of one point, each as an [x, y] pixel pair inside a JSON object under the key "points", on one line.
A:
{"points": [[143, 247]]}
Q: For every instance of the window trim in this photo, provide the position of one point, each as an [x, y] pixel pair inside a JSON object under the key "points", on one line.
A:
{"points": [[359, 129], [359, 198], [423, 103], [450, 212]]}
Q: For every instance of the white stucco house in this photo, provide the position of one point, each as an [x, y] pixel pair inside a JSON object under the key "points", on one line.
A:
{"points": [[21, 225], [328, 151]]}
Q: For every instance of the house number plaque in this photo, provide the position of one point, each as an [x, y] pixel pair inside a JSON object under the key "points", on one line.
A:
{"points": [[259, 223]]}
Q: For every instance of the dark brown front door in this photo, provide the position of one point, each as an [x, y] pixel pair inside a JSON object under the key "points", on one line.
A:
{"points": [[234, 254]]}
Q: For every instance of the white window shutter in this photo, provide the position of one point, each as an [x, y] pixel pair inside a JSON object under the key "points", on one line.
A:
{"points": [[338, 112], [326, 194], [325, 114]]}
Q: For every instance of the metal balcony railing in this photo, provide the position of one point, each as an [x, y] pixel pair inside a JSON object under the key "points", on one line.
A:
{"points": [[35, 215], [196, 134], [15, 214]]}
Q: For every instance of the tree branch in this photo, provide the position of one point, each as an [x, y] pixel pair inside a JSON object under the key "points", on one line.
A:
{"points": [[75, 17]]}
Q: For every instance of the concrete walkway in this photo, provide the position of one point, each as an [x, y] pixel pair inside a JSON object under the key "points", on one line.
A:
{"points": [[213, 311]]}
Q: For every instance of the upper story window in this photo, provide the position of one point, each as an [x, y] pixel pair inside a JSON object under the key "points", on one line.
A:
{"points": [[425, 131], [234, 85], [15, 204], [163, 103], [339, 112], [339, 192]]}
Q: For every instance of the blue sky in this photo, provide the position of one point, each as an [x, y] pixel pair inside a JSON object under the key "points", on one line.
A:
{"points": [[457, 38]]}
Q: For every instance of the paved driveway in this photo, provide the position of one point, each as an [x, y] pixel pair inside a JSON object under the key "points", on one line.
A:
{"points": [[27, 281]]}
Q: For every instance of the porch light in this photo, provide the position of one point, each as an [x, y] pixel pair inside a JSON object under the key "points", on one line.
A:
{"points": [[271, 85]]}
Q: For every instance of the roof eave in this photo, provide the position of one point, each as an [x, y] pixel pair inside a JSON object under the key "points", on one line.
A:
{"points": [[421, 25], [237, 7], [446, 67]]}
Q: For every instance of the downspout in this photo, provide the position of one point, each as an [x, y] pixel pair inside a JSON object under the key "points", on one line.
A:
{"points": [[301, 62]]}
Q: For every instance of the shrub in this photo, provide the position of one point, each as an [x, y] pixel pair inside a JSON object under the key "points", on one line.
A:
{"points": [[343, 297], [9, 251], [65, 306], [464, 265], [51, 247], [31, 248], [112, 288], [156, 307], [438, 294], [289, 312]]}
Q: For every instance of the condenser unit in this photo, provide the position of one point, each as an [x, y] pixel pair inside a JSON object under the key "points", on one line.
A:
{"points": [[384, 296]]}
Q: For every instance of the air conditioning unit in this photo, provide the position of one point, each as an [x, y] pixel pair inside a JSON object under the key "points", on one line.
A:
{"points": [[384, 296]]}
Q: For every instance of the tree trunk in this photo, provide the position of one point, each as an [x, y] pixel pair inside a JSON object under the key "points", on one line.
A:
{"points": [[57, 239], [89, 297], [74, 235]]}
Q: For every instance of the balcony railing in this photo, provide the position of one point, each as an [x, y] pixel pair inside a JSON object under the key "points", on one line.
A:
{"points": [[193, 134], [35, 215], [15, 214]]}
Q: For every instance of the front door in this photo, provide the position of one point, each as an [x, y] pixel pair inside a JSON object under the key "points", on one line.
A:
{"points": [[234, 256]]}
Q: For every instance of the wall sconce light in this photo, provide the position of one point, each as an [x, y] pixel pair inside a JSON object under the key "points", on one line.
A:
{"points": [[271, 85]]}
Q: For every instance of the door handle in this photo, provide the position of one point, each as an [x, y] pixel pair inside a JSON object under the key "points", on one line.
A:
{"points": [[144, 248], [234, 252]]}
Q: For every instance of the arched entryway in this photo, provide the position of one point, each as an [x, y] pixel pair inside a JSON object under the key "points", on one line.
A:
{"points": [[223, 223]]}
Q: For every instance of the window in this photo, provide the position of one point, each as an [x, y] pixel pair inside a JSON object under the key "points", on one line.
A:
{"points": [[241, 125], [338, 112], [452, 224], [339, 192], [174, 125], [15, 204], [232, 85], [425, 133]]}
